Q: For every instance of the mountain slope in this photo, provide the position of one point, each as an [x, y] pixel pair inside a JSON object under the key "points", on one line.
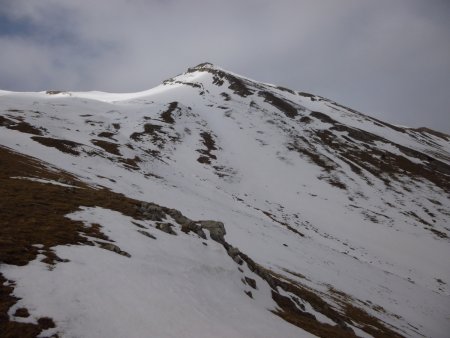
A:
{"points": [[334, 221]]}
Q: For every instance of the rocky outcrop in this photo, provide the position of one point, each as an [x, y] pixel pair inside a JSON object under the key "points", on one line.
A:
{"points": [[166, 227], [113, 248], [216, 229], [152, 212]]}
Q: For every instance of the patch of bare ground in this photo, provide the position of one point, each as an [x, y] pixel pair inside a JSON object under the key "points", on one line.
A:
{"points": [[284, 89], [281, 104], [224, 172], [149, 129], [438, 233], [305, 120], [131, 163], [369, 118], [287, 226], [65, 146], [379, 163], [443, 136], [371, 324], [156, 134], [54, 92], [312, 97], [289, 308], [75, 148], [167, 114], [317, 158], [110, 147], [322, 117], [210, 145], [107, 134], [22, 126], [296, 274], [34, 213], [13, 329], [225, 96]]}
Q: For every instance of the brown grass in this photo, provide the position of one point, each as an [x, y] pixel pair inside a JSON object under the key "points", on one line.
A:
{"points": [[281, 104], [21, 126], [318, 159], [210, 145], [110, 147], [288, 310], [155, 132], [107, 134], [66, 146], [34, 213], [381, 164], [311, 96], [10, 329], [167, 114]]}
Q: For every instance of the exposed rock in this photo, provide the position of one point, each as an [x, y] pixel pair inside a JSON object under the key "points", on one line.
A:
{"points": [[210, 145], [251, 282], [279, 103], [152, 211], [113, 248], [249, 293], [237, 84], [145, 233], [167, 114], [216, 229], [234, 254], [323, 117], [238, 260], [166, 227], [194, 227], [178, 217]]}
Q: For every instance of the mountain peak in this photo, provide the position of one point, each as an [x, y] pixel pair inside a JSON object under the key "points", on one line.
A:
{"points": [[202, 66]]}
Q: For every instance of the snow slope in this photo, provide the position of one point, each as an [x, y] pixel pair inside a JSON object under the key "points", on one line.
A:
{"points": [[342, 205]]}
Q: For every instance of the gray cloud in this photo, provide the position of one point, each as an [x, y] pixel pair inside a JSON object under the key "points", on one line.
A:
{"points": [[389, 59]]}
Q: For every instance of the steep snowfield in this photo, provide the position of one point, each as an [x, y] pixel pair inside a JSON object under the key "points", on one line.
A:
{"points": [[349, 207]]}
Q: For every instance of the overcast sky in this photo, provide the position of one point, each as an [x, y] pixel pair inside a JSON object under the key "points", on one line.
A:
{"points": [[387, 58]]}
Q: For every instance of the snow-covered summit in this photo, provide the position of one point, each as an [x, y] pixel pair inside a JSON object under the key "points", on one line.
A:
{"points": [[216, 205]]}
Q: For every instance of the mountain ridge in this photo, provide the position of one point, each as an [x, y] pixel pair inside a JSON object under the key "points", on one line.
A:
{"points": [[326, 217], [210, 67]]}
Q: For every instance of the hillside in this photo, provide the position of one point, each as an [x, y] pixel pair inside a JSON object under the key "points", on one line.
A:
{"points": [[217, 206]]}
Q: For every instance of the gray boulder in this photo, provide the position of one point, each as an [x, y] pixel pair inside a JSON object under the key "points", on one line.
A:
{"points": [[216, 229]]}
